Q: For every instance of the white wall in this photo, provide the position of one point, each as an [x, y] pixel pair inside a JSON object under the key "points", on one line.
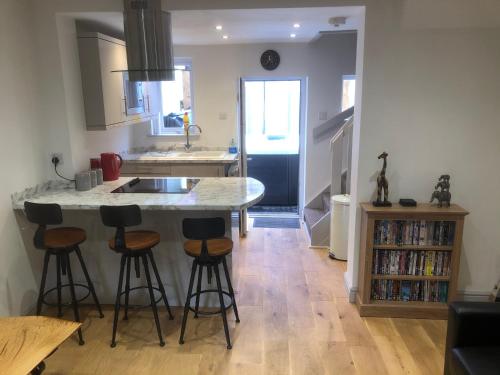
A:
{"points": [[216, 73], [430, 99], [329, 60], [61, 93], [21, 152], [217, 70]]}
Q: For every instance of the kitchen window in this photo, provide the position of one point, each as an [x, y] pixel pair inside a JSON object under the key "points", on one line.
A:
{"points": [[348, 91], [176, 100]]}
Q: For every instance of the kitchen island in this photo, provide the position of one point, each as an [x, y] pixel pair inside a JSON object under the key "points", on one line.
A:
{"points": [[161, 212]]}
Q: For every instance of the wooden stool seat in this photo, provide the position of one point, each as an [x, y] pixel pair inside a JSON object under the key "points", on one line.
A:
{"points": [[216, 247], [64, 238], [139, 240]]}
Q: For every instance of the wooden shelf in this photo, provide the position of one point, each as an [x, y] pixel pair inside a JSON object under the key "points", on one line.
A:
{"points": [[422, 209], [409, 303], [410, 277], [409, 309], [413, 247], [402, 309]]}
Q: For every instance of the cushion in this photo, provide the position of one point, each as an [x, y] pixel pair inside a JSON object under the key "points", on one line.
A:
{"points": [[477, 360]]}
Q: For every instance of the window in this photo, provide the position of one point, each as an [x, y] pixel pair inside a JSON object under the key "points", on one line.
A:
{"points": [[348, 90], [272, 117], [176, 100]]}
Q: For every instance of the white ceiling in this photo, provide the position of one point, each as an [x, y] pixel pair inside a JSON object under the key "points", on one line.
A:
{"points": [[244, 25], [258, 25]]}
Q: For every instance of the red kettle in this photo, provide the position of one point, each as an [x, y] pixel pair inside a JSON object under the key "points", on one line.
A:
{"points": [[111, 164]]}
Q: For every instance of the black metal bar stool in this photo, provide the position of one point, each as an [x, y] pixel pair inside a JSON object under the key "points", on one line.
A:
{"points": [[133, 245], [59, 242], [208, 246]]}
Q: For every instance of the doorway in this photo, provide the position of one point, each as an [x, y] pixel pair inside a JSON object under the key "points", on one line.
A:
{"points": [[272, 110]]}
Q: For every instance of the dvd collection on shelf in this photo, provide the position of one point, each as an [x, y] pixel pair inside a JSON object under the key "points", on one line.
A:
{"points": [[405, 290], [414, 232], [411, 262]]}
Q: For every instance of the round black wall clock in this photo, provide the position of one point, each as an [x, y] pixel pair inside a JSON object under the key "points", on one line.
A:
{"points": [[270, 59]]}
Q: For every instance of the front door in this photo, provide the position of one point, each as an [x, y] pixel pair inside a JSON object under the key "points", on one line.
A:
{"points": [[271, 115]]}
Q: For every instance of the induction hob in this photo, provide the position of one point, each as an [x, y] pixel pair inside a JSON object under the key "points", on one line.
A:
{"points": [[169, 185]]}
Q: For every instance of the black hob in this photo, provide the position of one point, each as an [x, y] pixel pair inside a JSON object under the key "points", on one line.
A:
{"points": [[169, 185]]}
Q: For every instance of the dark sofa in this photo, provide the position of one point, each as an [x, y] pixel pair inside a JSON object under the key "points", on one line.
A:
{"points": [[473, 339]]}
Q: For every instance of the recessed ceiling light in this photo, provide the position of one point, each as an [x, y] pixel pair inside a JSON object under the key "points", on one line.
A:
{"points": [[218, 27], [296, 25], [292, 35], [225, 37]]}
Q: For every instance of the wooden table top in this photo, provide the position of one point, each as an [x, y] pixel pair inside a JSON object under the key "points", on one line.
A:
{"points": [[26, 341]]}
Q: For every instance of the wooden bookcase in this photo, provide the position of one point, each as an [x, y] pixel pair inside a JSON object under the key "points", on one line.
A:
{"points": [[370, 227]]}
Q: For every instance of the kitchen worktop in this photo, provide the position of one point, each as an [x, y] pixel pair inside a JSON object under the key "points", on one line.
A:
{"points": [[195, 157], [210, 194]]}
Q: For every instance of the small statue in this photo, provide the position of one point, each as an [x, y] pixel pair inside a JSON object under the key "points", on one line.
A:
{"points": [[443, 195], [382, 184]]}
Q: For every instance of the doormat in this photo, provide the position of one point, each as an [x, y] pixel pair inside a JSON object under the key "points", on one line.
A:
{"points": [[273, 209], [276, 222]]}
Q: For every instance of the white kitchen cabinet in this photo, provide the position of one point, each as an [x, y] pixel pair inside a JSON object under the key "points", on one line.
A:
{"points": [[103, 88]]}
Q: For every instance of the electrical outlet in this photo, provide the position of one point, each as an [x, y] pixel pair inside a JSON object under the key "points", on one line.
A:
{"points": [[58, 156], [322, 116]]}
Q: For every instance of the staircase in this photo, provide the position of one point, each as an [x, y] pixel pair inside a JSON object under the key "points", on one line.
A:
{"points": [[317, 219], [317, 211]]}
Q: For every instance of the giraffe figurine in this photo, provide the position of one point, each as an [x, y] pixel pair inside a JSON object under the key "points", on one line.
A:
{"points": [[382, 184]]}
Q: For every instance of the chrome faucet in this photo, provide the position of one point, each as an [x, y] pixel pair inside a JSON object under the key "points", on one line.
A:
{"points": [[187, 146]]}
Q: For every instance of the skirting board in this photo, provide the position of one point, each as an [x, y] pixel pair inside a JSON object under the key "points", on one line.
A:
{"points": [[350, 290], [462, 295]]}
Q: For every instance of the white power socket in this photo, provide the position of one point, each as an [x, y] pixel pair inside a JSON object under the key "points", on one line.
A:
{"points": [[57, 155]]}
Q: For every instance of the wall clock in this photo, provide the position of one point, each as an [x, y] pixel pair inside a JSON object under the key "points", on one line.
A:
{"points": [[270, 59]]}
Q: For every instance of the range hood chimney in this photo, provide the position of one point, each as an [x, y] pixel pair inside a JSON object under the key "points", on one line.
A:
{"points": [[148, 34]]}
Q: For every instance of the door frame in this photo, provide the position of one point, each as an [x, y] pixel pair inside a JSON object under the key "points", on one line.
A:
{"points": [[302, 129]]}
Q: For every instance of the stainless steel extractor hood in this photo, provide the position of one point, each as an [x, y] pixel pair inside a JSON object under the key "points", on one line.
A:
{"points": [[148, 34]]}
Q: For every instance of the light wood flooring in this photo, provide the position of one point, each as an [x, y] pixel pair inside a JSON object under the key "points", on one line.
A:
{"points": [[295, 319]]}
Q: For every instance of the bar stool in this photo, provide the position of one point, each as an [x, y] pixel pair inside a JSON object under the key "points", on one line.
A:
{"points": [[133, 245], [208, 246], [59, 242]]}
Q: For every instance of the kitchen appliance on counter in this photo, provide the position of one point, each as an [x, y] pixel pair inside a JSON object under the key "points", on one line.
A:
{"points": [[95, 163], [168, 185], [111, 164]]}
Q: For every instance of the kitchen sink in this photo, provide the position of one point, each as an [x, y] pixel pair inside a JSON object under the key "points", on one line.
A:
{"points": [[184, 155], [200, 154]]}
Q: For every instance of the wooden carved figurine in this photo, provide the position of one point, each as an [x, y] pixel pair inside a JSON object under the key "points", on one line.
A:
{"points": [[382, 185], [443, 195]]}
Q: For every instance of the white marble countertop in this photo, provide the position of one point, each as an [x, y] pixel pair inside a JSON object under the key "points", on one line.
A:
{"points": [[177, 157], [210, 194]]}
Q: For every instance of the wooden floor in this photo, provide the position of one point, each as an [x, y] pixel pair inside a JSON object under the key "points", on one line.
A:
{"points": [[295, 319]]}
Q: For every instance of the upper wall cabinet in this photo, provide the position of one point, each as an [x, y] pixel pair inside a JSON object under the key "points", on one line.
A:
{"points": [[110, 99]]}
